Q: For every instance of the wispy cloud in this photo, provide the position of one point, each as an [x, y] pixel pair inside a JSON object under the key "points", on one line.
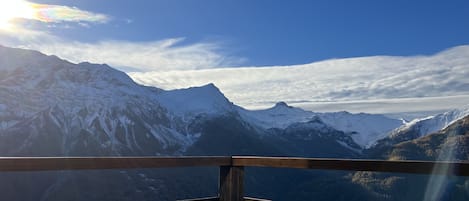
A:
{"points": [[162, 55]]}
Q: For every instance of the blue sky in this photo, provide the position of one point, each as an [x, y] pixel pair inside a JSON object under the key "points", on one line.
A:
{"points": [[264, 32]]}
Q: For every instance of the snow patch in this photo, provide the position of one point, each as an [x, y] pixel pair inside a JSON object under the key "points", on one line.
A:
{"points": [[369, 128]]}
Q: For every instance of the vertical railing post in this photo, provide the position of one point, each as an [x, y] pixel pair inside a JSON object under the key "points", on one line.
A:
{"points": [[231, 184]]}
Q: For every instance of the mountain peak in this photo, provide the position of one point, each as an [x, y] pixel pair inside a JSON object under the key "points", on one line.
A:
{"points": [[14, 58], [206, 99], [209, 88], [281, 104], [211, 85]]}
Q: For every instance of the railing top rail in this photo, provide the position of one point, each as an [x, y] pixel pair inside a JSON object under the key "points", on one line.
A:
{"points": [[402, 166], [83, 163]]}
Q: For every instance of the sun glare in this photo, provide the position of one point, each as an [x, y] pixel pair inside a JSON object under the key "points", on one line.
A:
{"points": [[13, 9]]}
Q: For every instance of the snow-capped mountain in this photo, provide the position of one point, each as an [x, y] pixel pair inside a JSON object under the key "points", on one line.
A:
{"points": [[365, 129], [423, 126], [449, 143], [40, 93]]}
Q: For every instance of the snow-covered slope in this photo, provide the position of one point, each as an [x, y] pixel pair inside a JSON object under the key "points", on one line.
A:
{"points": [[40, 93], [368, 128], [431, 124], [365, 129]]}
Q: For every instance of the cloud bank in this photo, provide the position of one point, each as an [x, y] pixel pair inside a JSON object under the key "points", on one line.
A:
{"points": [[352, 79]]}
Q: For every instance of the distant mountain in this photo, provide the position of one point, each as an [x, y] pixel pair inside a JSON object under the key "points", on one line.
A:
{"points": [[450, 143], [364, 129], [421, 127]]}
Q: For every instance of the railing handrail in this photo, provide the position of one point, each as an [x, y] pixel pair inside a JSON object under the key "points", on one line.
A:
{"points": [[457, 168], [231, 182], [95, 163]]}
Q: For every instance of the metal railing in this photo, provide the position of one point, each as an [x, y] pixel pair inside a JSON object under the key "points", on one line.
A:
{"points": [[231, 175]]}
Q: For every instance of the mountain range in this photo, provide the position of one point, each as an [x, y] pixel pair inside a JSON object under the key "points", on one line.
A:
{"points": [[52, 107]]}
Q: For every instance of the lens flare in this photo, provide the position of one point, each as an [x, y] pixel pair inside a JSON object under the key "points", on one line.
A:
{"points": [[16, 9], [12, 9], [437, 185], [56, 13]]}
